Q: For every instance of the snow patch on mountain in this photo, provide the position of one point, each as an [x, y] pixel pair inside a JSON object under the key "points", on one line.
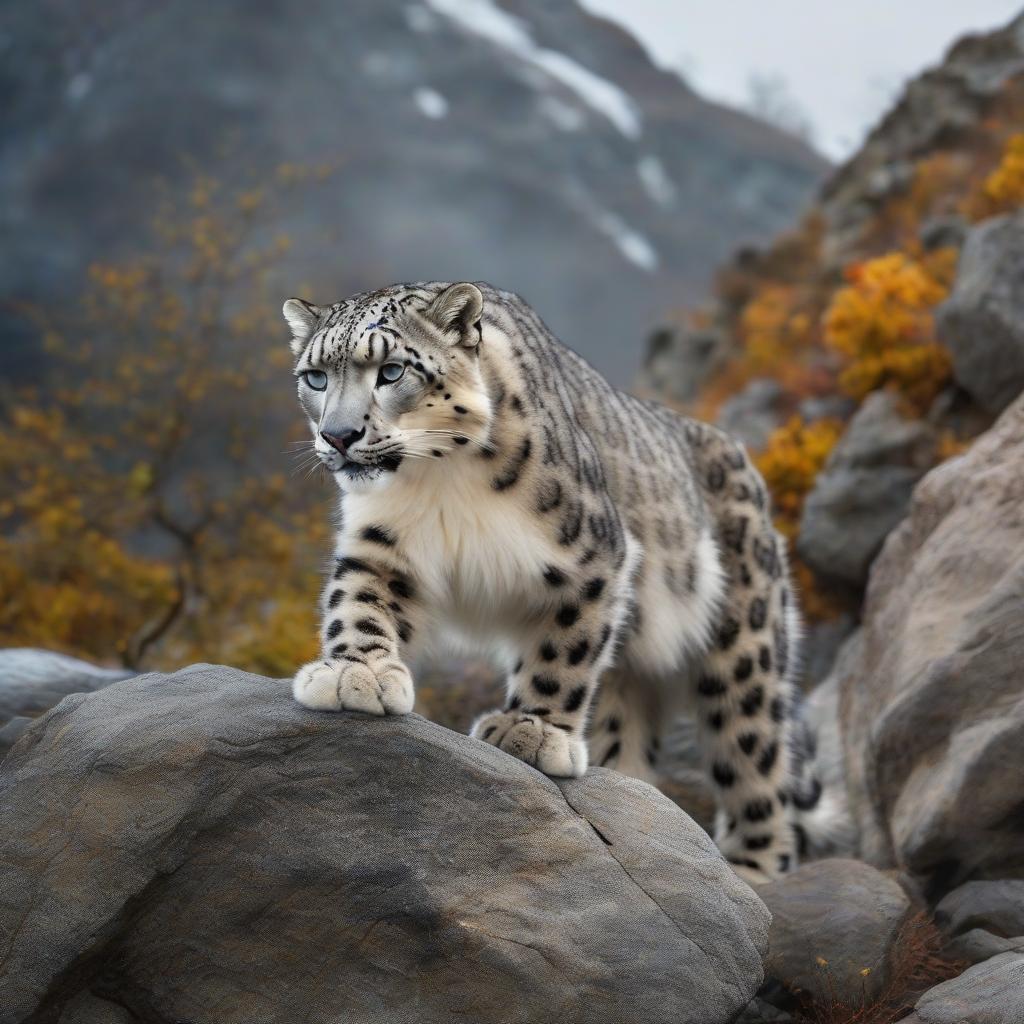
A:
{"points": [[561, 114], [655, 180], [633, 245], [485, 19], [431, 103]]}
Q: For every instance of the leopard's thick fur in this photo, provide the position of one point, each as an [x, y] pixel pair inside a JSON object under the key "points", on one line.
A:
{"points": [[619, 558]]}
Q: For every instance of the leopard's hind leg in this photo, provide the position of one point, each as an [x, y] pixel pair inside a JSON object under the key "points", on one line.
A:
{"points": [[744, 700]]}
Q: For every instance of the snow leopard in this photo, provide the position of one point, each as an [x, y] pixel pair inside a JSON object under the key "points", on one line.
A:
{"points": [[617, 558]]}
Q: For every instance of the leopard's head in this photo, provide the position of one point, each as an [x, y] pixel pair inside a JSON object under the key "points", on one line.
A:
{"points": [[391, 378]]}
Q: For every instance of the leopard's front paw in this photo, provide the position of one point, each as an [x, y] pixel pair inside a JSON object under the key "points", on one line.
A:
{"points": [[528, 737], [379, 688]]}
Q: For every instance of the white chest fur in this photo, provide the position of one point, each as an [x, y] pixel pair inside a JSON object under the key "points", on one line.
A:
{"points": [[475, 553]]}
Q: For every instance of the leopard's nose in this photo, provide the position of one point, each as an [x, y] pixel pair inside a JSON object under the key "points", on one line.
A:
{"points": [[342, 442]]}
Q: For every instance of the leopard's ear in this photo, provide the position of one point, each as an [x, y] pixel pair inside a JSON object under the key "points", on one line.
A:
{"points": [[457, 311], [302, 317]]}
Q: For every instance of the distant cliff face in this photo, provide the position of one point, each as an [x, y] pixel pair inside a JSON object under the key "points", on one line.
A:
{"points": [[530, 144]]}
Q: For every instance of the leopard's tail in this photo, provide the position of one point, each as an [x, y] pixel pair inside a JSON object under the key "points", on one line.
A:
{"points": [[819, 811]]}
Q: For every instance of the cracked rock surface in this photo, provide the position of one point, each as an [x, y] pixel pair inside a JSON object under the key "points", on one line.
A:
{"points": [[198, 847]]}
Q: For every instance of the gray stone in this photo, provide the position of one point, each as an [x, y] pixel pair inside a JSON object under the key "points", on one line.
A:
{"points": [[943, 231], [679, 362], [989, 993], [982, 321], [931, 706], [863, 490], [826, 407], [978, 945], [840, 911], [760, 1011], [997, 906], [752, 414], [33, 681], [821, 645], [199, 847], [86, 1008], [11, 731]]}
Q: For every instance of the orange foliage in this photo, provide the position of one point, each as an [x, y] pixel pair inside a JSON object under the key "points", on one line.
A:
{"points": [[1002, 191], [882, 324], [147, 521], [791, 460]]}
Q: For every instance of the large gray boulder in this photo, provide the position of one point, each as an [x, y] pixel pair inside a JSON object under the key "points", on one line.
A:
{"points": [[198, 847], [863, 490], [982, 321], [931, 703], [832, 920], [989, 993], [996, 906]]}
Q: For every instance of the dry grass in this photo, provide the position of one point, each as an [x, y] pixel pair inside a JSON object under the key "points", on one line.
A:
{"points": [[917, 965]]}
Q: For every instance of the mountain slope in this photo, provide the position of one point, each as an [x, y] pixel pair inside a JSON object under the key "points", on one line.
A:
{"points": [[533, 145]]}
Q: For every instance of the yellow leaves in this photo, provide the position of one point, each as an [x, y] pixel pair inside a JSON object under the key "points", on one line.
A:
{"points": [[140, 479], [790, 463], [1002, 191], [53, 343], [203, 190], [881, 324], [771, 328], [251, 200], [791, 460]]}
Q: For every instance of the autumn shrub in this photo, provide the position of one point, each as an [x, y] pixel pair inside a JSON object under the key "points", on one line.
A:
{"points": [[881, 323], [150, 517], [1001, 191], [790, 462]]}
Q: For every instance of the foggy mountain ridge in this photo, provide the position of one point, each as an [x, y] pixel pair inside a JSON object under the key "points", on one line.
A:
{"points": [[532, 145]]}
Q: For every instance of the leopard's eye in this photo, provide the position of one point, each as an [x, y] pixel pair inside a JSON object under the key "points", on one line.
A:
{"points": [[389, 373], [316, 379]]}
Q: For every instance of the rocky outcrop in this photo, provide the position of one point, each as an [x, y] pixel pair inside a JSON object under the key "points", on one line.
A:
{"points": [[982, 322], [863, 490], [199, 847], [834, 926], [989, 993], [937, 108], [679, 362], [931, 706], [752, 414]]}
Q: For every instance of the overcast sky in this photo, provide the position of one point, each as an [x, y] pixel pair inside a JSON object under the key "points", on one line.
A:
{"points": [[842, 63]]}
